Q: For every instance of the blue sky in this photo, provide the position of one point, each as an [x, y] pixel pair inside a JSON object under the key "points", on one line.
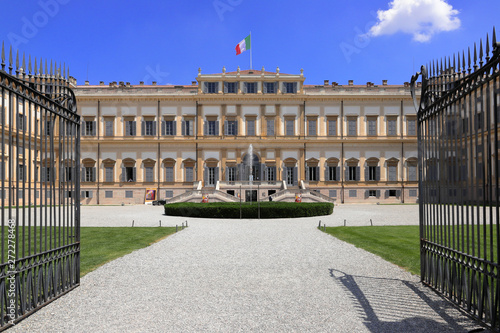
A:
{"points": [[166, 41]]}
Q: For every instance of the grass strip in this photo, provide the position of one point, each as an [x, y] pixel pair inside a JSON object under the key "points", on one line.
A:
{"points": [[397, 244], [99, 245]]}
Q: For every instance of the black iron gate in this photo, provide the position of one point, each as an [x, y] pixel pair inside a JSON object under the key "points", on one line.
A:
{"points": [[39, 173], [458, 135]]}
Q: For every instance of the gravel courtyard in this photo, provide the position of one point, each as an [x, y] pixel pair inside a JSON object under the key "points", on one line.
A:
{"points": [[249, 276]]}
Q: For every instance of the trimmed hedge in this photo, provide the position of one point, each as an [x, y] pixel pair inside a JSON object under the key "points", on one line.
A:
{"points": [[231, 210]]}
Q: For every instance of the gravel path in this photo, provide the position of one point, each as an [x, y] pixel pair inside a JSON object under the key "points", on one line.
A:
{"points": [[246, 276]]}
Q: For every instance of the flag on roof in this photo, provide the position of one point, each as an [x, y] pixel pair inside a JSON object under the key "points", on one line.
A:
{"points": [[243, 45]]}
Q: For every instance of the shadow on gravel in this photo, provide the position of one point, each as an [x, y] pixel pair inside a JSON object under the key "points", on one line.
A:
{"points": [[392, 305]]}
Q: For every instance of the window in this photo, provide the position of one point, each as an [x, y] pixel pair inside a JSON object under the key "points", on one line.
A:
{"points": [[88, 174], [332, 194], [86, 194], [189, 174], [168, 127], [169, 194], [372, 193], [212, 87], [211, 176], [129, 174], [290, 87], [109, 174], [68, 174], [46, 174], [312, 127], [230, 88], [372, 126], [269, 88], [89, 128], [130, 129], [413, 193], [270, 127], [353, 193], [211, 127], [373, 173], [231, 174], [332, 127], [231, 127], [169, 174], [352, 173], [250, 127], [108, 128], [352, 126], [313, 173], [129, 194], [393, 193], [290, 127], [21, 172], [391, 126], [291, 175], [392, 173], [412, 172], [187, 127], [332, 173], [251, 87], [108, 194], [270, 173], [21, 122], [48, 128], [412, 127], [149, 128], [149, 172]]}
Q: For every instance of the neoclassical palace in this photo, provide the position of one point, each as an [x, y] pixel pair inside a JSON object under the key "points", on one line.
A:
{"points": [[247, 135]]}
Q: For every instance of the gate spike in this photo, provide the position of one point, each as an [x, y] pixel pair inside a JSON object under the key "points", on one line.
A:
{"points": [[454, 64], [475, 57], [59, 72], [487, 48], [64, 70], [41, 67], [10, 60], [449, 66], [3, 56], [468, 62], [463, 62], [481, 52], [29, 65], [51, 68], [494, 38], [55, 70], [36, 68], [24, 64], [458, 62], [17, 62]]}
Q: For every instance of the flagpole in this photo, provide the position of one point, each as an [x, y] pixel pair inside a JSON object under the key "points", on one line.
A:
{"points": [[251, 42]]}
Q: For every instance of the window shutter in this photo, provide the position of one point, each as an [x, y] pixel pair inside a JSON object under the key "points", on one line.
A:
{"points": [[327, 173], [134, 176], [91, 194], [94, 127], [377, 173], [367, 193], [398, 193], [307, 173], [317, 174], [93, 174], [378, 193], [227, 169], [283, 89], [274, 173], [216, 174], [174, 127], [238, 172], [262, 172], [346, 173], [217, 128], [295, 176], [163, 127], [225, 88], [386, 194], [283, 174], [205, 175], [134, 128], [236, 127], [143, 128], [225, 127], [245, 87], [357, 174], [127, 128], [82, 174], [264, 87], [205, 128], [367, 173], [123, 175], [205, 87], [154, 127], [183, 128]]}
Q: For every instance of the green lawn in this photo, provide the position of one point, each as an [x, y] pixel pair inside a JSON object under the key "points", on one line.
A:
{"points": [[101, 245], [397, 244]]}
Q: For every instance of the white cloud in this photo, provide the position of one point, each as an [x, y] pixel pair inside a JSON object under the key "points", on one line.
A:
{"points": [[421, 18]]}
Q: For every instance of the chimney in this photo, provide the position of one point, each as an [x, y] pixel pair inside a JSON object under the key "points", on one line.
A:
{"points": [[87, 83], [193, 83], [153, 83], [351, 82], [326, 82], [407, 84], [384, 82], [128, 84], [101, 83], [334, 84], [141, 83]]}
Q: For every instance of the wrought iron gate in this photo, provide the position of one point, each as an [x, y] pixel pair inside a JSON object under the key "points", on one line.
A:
{"points": [[39, 172], [459, 166]]}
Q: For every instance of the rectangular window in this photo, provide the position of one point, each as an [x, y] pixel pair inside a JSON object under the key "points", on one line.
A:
{"points": [[108, 194], [270, 127], [372, 193], [372, 126], [392, 127], [290, 176], [312, 127], [21, 122], [392, 193], [290, 87], [251, 87], [270, 176], [231, 174], [108, 128], [353, 193], [187, 127], [269, 88], [332, 127], [168, 127], [109, 174], [231, 127], [212, 87], [392, 173], [231, 88], [351, 173], [130, 174], [149, 128], [88, 128], [48, 128], [129, 194], [352, 126], [211, 176], [169, 194], [86, 194], [89, 174], [169, 174], [212, 127], [189, 174], [413, 193], [412, 173], [150, 175], [290, 127], [332, 173], [68, 174], [412, 127], [130, 129], [332, 193], [250, 127], [21, 172], [372, 173], [20, 193], [313, 173]]}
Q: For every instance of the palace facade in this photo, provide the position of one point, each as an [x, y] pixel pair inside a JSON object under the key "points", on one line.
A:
{"points": [[249, 135]]}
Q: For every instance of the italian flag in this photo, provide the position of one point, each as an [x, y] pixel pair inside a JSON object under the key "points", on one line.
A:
{"points": [[243, 45]]}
